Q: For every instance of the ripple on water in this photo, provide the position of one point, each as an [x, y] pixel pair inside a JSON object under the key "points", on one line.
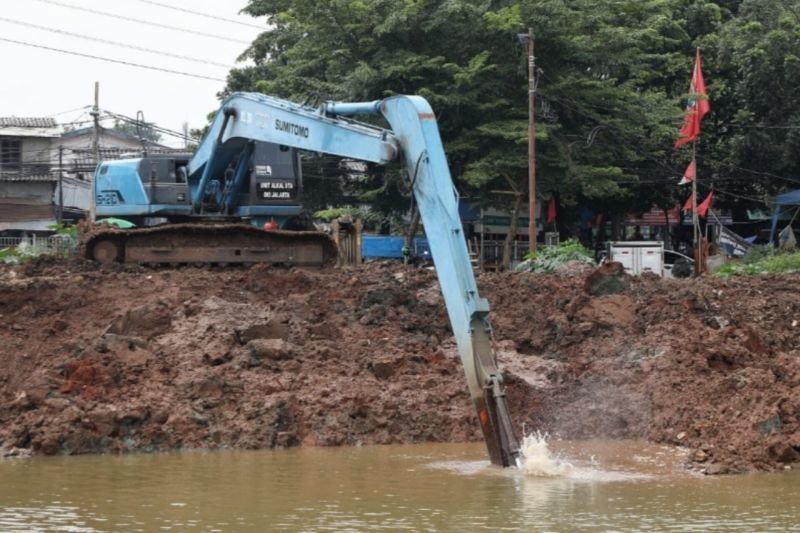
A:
{"points": [[590, 461]]}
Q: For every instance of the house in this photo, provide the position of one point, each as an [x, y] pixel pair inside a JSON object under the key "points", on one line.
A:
{"points": [[26, 180], [77, 149], [46, 173], [75, 156]]}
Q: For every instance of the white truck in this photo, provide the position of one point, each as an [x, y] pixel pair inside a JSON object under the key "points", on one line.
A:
{"points": [[638, 257]]}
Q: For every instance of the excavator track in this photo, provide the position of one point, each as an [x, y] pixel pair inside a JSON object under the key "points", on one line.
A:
{"points": [[194, 243]]}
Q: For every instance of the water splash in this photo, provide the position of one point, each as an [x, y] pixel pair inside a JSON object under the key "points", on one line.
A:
{"points": [[539, 461]]}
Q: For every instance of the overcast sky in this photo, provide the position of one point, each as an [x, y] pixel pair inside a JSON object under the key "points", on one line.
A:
{"points": [[38, 82]]}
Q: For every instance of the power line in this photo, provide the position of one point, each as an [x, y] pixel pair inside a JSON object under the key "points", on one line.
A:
{"points": [[765, 174], [141, 21], [652, 157], [108, 59], [739, 196], [114, 43], [762, 127], [82, 108], [200, 14], [152, 126]]}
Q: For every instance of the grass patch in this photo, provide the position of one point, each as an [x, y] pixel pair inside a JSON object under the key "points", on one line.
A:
{"points": [[771, 263]]}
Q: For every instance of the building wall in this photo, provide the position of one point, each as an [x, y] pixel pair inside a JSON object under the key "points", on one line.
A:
{"points": [[26, 205], [26, 195], [34, 157]]}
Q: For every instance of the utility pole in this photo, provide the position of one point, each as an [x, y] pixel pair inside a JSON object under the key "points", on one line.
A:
{"points": [[696, 237], [185, 135], [60, 184], [527, 38], [96, 146]]}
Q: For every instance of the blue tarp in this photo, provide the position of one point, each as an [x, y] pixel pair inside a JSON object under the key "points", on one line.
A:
{"points": [[782, 200], [391, 247]]}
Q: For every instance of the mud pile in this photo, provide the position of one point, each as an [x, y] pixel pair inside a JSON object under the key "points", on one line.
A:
{"points": [[137, 359], [709, 364]]}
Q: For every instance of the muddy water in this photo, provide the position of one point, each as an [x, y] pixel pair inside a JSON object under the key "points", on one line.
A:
{"points": [[581, 486]]}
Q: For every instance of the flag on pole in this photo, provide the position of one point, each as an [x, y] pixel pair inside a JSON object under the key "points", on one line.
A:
{"points": [[687, 207], [702, 209], [696, 108], [551, 210], [690, 174]]}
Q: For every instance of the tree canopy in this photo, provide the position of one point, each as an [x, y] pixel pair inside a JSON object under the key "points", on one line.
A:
{"points": [[612, 81]]}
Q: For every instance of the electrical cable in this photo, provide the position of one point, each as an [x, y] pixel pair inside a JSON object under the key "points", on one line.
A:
{"points": [[141, 21], [119, 61], [200, 14], [734, 195], [82, 108], [649, 155], [154, 127], [115, 43]]}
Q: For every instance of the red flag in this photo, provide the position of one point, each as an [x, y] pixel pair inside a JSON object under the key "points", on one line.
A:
{"points": [[697, 107], [688, 205], [690, 174], [551, 210], [702, 209]]}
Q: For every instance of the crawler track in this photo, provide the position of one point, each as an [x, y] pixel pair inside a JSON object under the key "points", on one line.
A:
{"points": [[210, 243]]}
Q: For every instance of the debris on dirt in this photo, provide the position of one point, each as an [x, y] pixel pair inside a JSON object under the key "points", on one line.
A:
{"points": [[125, 358], [609, 278]]}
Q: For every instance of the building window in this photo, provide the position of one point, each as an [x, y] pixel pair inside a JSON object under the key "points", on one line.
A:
{"points": [[10, 155]]}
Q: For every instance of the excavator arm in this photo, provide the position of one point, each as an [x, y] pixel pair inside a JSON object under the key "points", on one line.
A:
{"points": [[413, 138]]}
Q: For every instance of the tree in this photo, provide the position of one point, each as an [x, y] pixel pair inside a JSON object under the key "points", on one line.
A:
{"points": [[139, 130], [611, 89]]}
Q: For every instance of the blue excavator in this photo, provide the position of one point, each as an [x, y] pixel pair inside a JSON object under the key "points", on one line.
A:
{"points": [[237, 200]]}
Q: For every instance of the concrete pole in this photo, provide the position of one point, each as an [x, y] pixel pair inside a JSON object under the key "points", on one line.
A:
{"points": [[60, 184], [96, 148], [698, 248], [531, 143]]}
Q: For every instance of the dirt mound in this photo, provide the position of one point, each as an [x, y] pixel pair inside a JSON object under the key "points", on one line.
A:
{"points": [[134, 359], [710, 364]]}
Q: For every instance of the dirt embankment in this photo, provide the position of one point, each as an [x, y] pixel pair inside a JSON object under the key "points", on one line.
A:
{"points": [[136, 359]]}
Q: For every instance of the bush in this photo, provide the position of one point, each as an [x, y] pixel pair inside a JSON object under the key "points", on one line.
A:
{"points": [[549, 258], [757, 253]]}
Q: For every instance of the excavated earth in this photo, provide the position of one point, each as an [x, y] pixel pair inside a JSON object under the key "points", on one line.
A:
{"points": [[135, 359]]}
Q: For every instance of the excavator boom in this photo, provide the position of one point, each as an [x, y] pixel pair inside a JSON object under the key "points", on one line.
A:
{"points": [[215, 176]]}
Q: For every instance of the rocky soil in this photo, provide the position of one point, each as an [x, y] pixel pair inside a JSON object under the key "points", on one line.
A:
{"points": [[107, 360]]}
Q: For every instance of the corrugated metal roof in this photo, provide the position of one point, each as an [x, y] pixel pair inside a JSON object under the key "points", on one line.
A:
{"points": [[28, 122], [35, 177]]}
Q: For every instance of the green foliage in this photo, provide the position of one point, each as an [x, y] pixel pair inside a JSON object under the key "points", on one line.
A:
{"points": [[145, 131], [777, 262], [610, 96], [328, 215], [10, 255], [757, 253], [549, 258], [68, 230]]}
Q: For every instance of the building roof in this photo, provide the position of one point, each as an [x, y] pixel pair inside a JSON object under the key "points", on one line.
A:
{"points": [[29, 127], [25, 177], [111, 132], [28, 122]]}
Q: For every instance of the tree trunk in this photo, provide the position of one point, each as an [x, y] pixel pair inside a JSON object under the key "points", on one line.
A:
{"points": [[512, 230], [412, 228], [667, 239]]}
